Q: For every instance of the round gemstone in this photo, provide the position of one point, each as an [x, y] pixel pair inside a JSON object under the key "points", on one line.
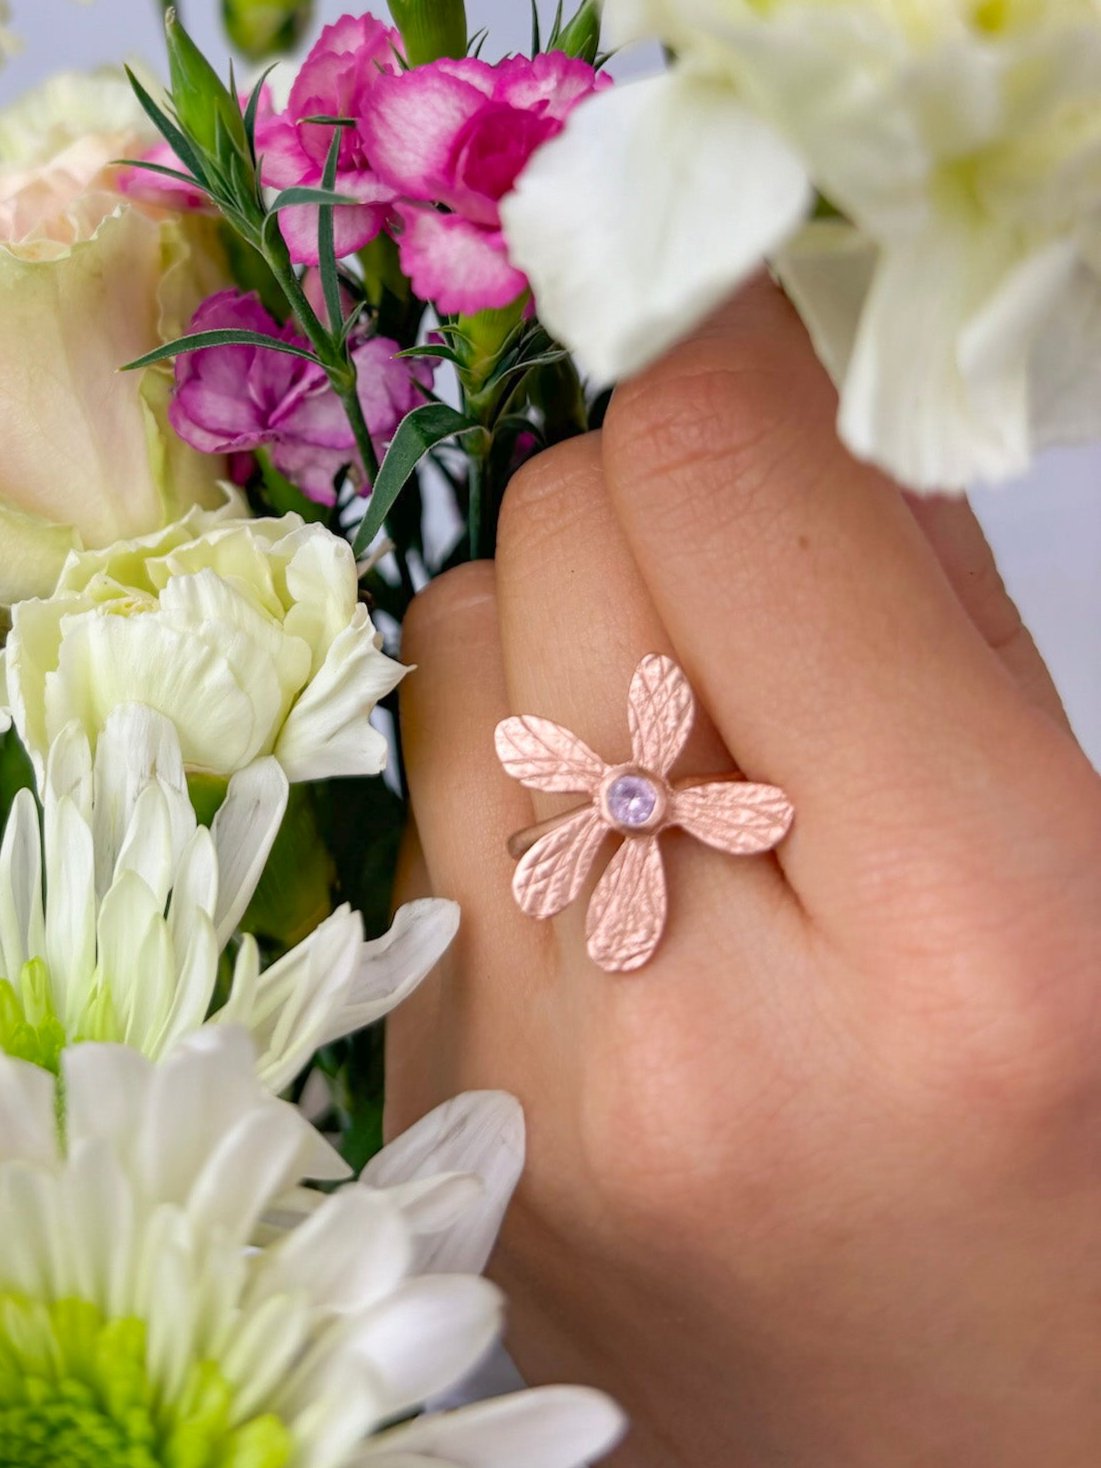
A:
{"points": [[632, 800]]}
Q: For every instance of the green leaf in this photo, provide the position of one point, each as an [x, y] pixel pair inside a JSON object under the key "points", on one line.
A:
{"points": [[294, 893], [15, 772], [184, 178], [439, 352], [223, 338], [417, 434], [326, 247], [252, 109], [294, 197], [179, 141]]}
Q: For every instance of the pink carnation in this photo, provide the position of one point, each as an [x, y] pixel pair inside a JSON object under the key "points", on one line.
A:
{"points": [[233, 399], [458, 134], [337, 79]]}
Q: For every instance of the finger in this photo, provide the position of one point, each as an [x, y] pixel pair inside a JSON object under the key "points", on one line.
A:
{"points": [[804, 602], [953, 530], [576, 619], [463, 806]]}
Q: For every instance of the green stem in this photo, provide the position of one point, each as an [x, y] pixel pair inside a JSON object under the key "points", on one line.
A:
{"points": [[337, 362]]}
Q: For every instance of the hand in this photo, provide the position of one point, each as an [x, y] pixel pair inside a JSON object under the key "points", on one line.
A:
{"points": [[821, 1185]]}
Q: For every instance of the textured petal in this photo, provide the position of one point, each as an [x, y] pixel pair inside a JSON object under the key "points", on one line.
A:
{"points": [[480, 1133], [826, 270], [413, 122], [932, 318], [735, 817], [656, 201], [544, 755], [327, 732], [660, 708], [455, 263], [550, 875], [552, 1427], [627, 912]]}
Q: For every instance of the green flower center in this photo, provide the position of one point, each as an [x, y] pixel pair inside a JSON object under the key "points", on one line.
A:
{"points": [[75, 1393], [30, 1027]]}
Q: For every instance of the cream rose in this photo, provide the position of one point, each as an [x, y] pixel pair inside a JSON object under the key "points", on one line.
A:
{"points": [[89, 280], [247, 634]]}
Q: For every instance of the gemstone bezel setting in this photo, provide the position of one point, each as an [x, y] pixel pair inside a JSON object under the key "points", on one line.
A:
{"points": [[626, 785]]}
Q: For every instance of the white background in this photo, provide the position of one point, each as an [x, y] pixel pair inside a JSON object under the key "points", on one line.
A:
{"points": [[1046, 530]]}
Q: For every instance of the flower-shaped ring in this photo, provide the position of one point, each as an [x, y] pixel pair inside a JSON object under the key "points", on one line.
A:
{"points": [[628, 909]]}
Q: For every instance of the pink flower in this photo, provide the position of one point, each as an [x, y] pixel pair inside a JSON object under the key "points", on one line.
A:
{"points": [[458, 134], [233, 399], [337, 79]]}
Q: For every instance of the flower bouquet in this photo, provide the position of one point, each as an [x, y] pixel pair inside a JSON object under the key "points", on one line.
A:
{"points": [[273, 350]]}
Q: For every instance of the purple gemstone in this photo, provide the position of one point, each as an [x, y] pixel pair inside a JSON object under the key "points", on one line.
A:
{"points": [[632, 800]]}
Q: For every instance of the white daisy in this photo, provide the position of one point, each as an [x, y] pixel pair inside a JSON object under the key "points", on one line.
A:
{"points": [[115, 918], [142, 1325]]}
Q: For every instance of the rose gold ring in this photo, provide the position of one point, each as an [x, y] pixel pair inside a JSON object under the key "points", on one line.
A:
{"points": [[638, 801]]}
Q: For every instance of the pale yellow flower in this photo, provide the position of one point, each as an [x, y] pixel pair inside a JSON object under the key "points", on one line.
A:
{"points": [[248, 635], [88, 281]]}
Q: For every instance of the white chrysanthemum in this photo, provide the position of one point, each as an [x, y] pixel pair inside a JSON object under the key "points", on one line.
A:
{"points": [[957, 301], [141, 1323], [114, 920], [248, 634]]}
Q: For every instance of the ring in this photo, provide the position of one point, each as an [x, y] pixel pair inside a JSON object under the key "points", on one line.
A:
{"points": [[638, 801]]}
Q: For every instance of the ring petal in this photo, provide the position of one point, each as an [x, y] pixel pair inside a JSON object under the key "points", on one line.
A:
{"points": [[546, 756], [551, 874], [660, 710], [735, 816], [627, 913]]}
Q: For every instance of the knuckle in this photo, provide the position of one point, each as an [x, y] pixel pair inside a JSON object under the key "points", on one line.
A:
{"points": [[463, 593], [712, 430], [545, 496]]}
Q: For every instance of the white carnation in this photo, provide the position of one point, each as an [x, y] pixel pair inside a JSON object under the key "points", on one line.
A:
{"points": [[957, 298]]}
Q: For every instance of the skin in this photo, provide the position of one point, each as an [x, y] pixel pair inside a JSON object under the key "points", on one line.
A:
{"points": [[820, 1187]]}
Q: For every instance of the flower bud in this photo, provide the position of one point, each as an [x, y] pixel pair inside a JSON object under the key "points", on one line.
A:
{"points": [[263, 28], [581, 37], [430, 28], [205, 106]]}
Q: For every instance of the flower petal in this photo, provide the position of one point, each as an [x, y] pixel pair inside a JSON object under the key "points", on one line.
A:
{"points": [[551, 1427], [480, 1133], [456, 264], [656, 201], [544, 755], [550, 875], [327, 732], [392, 966], [244, 831], [627, 913], [660, 709], [735, 817]]}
